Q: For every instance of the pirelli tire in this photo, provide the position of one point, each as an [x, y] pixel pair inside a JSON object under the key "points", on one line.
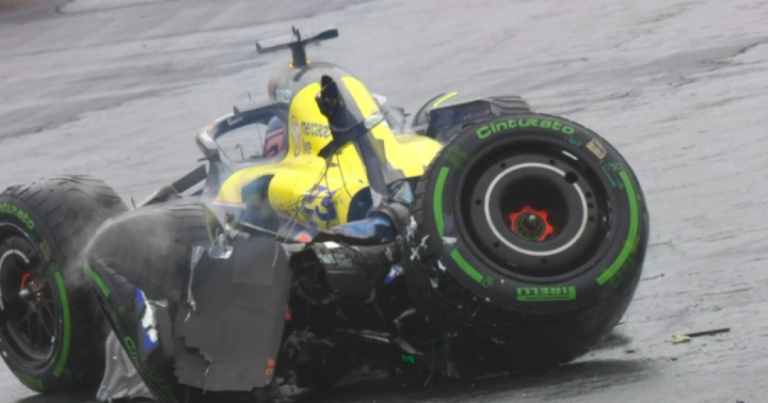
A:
{"points": [[527, 240], [51, 331]]}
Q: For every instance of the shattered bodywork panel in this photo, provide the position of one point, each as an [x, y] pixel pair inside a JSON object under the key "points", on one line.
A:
{"points": [[121, 380], [230, 341]]}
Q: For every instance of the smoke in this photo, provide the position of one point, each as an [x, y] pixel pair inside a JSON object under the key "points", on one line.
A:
{"points": [[151, 247]]}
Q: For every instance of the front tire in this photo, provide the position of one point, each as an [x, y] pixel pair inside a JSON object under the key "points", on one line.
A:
{"points": [[527, 242], [51, 332]]}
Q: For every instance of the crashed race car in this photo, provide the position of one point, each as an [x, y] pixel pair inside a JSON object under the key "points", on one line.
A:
{"points": [[323, 234]]}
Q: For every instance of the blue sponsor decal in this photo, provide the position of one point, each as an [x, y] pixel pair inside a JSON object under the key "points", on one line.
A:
{"points": [[394, 273], [144, 309], [140, 300]]}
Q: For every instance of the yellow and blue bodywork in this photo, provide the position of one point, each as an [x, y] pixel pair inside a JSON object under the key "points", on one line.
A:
{"points": [[311, 191]]}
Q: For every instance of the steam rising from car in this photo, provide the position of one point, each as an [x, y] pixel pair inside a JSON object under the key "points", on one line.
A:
{"points": [[149, 238]]}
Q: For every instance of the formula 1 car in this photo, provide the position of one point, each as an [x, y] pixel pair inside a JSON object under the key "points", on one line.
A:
{"points": [[323, 235]]}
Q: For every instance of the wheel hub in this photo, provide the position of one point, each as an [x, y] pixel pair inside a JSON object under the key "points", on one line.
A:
{"points": [[532, 214], [531, 225], [29, 327], [31, 294]]}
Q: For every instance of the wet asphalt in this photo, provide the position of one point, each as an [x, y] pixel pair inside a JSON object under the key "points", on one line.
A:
{"points": [[118, 88]]}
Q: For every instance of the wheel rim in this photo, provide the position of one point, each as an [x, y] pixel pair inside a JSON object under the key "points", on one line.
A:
{"points": [[28, 307], [531, 201], [533, 209]]}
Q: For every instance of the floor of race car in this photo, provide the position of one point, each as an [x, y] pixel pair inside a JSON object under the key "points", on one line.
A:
{"points": [[118, 88]]}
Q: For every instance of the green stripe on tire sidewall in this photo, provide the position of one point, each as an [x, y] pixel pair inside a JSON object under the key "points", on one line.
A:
{"points": [[466, 267], [67, 328], [97, 279], [438, 200], [607, 275], [629, 245]]}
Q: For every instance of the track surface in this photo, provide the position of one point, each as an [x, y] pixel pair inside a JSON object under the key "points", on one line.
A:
{"points": [[118, 88]]}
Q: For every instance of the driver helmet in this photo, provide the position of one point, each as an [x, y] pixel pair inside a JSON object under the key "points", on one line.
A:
{"points": [[276, 139]]}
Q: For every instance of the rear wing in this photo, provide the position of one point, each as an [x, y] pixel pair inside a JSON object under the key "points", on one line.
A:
{"points": [[296, 43]]}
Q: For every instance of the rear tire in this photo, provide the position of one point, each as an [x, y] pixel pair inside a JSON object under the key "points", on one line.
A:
{"points": [[527, 241], [44, 226]]}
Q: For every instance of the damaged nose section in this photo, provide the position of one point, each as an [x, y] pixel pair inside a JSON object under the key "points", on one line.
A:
{"points": [[229, 343], [121, 379], [141, 342]]}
